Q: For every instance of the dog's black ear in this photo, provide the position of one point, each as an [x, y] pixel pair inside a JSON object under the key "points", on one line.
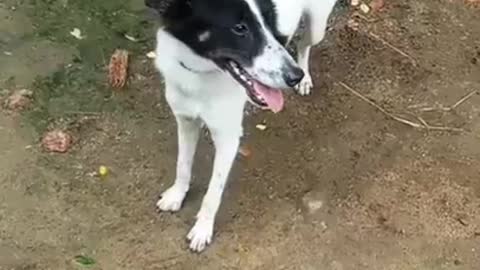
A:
{"points": [[160, 6], [171, 11], [216, 12], [207, 8]]}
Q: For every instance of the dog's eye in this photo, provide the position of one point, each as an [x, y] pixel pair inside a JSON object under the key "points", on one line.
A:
{"points": [[240, 29]]}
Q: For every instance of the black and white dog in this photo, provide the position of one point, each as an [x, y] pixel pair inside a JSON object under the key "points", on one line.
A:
{"points": [[215, 55]]}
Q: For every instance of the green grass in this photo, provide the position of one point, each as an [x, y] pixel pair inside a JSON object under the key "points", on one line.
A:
{"points": [[104, 23], [67, 93], [81, 86]]}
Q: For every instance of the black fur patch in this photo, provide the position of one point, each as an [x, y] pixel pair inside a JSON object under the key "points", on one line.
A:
{"points": [[187, 20], [269, 14]]}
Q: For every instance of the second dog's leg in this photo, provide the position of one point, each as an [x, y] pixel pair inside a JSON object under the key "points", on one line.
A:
{"points": [[226, 147], [188, 133], [305, 86], [315, 26]]}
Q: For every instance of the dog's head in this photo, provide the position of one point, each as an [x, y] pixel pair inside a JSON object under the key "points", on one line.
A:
{"points": [[235, 36]]}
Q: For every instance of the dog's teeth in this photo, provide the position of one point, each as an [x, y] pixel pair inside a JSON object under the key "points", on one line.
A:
{"points": [[234, 65]]}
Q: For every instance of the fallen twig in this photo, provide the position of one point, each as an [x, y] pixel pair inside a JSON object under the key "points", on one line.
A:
{"points": [[422, 125], [388, 44], [450, 108], [462, 100], [83, 113], [383, 41], [363, 17]]}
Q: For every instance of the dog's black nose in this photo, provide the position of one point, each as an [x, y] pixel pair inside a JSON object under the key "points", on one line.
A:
{"points": [[293, 76]]}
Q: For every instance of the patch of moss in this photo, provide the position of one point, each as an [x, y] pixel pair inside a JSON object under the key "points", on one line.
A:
{"points": [[103, 23], [66, 93], [81, 87]]}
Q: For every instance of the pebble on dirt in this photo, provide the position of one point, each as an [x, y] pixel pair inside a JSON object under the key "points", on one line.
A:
{"points": [[151, 55], [313, 201], [117, 69], [364, 8], [261, 127], [19, 100], [57, 141], [103, 171], [77, 33]]}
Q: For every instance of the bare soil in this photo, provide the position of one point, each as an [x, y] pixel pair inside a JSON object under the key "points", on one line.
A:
{"points": [[332, 183]]}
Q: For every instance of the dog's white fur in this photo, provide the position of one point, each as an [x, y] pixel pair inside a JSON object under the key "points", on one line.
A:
{"points": [[208, 95]]}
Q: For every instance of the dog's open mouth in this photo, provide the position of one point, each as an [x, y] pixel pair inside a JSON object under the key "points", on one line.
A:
{"points": [[259, 94]]}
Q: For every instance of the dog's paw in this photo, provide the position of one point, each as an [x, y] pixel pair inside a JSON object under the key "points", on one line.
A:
{"points": [[200, 235], [304, 88], [171, 199]]}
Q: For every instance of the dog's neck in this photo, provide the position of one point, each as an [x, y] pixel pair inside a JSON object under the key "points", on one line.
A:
{"points": [[183, 65], [176, 55]]}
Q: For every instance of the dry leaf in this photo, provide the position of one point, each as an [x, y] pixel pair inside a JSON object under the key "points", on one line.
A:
{"points": [[77, 33], [84, 260], [117, 70], [245, 151], [377, 5], [19, 100], [57, 141]]}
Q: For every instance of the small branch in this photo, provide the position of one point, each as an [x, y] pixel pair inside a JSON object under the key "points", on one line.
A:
{"points": [[384, 42], [83, 113], [462, 100], [448, 109], [388, 44], [422, 125]]}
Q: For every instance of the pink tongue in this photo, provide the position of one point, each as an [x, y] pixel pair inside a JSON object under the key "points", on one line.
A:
{"points": [[273, 97]]}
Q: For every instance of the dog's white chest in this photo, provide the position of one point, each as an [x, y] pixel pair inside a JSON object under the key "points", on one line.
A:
{"points": [[195, 87], [216, 102]]}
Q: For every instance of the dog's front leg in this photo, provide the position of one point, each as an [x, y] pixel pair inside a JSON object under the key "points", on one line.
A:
{"points": [[188, 133], [226, 147]]}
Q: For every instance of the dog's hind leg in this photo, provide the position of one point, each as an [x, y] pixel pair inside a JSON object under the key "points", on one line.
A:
{"points": [[188, 133], [316, 18], [226, 147]]}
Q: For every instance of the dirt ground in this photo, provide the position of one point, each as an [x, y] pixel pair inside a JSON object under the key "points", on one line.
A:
{"points": [[332, 183]]}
